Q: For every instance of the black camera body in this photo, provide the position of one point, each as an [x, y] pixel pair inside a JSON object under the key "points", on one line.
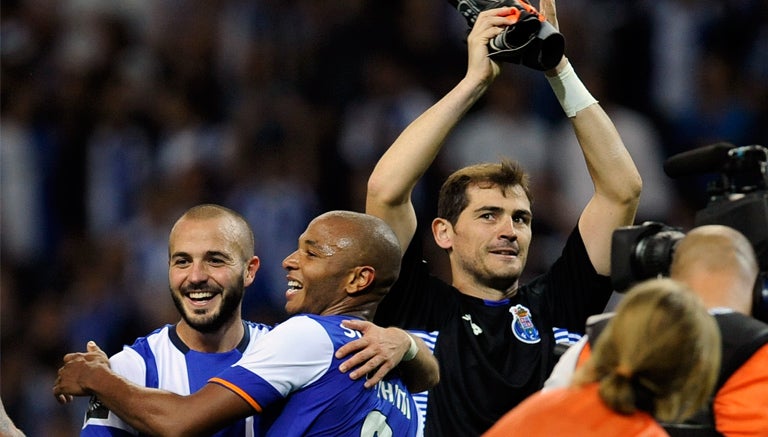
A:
{"points": [[738, 199], [529, 40], [642, 252]]}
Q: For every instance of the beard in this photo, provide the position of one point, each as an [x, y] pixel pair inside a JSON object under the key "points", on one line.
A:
{"points": [[488, 275], [217, 318]]}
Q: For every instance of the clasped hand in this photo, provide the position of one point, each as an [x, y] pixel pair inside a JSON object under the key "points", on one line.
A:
{"points": [[77, 366]]}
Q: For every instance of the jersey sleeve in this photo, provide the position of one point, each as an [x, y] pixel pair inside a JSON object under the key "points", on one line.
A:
{"points": [[563, 372], [291, 356], [99, 421], [741, 404], [574, 288]]}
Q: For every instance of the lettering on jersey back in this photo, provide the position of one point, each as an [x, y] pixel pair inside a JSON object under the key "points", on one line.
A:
{"points": [[395, 395]]}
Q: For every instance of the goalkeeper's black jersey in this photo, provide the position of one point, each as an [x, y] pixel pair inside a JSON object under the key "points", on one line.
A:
{"points": [[492, 355]]}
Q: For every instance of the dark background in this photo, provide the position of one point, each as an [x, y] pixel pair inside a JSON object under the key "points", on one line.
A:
{"points": [[118, 116]]}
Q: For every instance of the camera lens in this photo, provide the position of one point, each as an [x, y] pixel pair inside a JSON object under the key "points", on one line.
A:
{"points": [[653, 254]]}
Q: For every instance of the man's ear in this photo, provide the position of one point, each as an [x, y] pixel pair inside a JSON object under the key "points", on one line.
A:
{"points": [[442, 231], [361, 278], [250, 271]]}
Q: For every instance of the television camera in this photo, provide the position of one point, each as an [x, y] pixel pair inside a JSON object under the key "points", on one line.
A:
{"points": [[738, 198]]}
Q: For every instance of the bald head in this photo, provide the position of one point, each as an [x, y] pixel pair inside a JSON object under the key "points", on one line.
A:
{"points": [[719, 264], [234, 226], [369, 241]]}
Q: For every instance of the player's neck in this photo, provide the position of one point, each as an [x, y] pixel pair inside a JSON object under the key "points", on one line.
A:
{"points": [[224, 339], [480, 291], [364, 311]]}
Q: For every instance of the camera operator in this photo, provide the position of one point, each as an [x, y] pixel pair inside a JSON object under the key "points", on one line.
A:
{"points": [[719, 264]]}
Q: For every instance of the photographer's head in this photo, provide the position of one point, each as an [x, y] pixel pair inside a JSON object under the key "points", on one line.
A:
{"points": [[719, 264], [660, 353]]}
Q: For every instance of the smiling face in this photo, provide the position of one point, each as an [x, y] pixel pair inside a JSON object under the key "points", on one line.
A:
{"points": [[320, 269], [208, 271], [488, 245]]}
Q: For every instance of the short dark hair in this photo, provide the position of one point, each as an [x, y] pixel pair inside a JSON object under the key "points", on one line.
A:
{"points": [[453, 194]]}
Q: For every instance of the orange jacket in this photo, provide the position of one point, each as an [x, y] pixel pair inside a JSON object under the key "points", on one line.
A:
{"points": [[740, 406], [572, 412]]}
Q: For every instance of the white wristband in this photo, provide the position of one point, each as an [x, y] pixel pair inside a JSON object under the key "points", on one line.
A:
{"points": [[412, 350], [570, 91]]}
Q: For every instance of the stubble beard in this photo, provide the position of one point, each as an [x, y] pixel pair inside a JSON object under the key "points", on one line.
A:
{"points": [[218, 317], [501, 279]]}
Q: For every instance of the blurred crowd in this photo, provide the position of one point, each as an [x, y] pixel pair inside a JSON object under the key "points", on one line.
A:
{"points": [[118, 116]]}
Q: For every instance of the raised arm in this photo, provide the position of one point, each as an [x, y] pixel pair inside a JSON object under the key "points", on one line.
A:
{"points": [[408, 158], [617, 184], [148, 410], [614, 175]]}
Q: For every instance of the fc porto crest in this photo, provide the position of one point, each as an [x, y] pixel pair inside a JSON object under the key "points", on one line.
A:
{"points": [[522, 325]]}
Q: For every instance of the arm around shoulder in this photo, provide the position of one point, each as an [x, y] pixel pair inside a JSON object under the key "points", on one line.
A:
{"points": [[382, 349], [148, 410], [422, 371]]}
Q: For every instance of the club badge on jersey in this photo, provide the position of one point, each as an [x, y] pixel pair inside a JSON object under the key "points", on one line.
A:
{"points": [[522, 325]]}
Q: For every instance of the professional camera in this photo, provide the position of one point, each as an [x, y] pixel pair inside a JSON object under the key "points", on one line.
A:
{"points": [[641, 252], [737, 198], [530, 40]]}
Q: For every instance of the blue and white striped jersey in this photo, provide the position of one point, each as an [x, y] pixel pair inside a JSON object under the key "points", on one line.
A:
{"points": [[162, 360]]}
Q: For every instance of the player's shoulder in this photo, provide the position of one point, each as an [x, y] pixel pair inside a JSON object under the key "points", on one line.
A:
{"points": [[304, 320], [257, 328], [317, 326], [133, 357], [160, 334]]}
